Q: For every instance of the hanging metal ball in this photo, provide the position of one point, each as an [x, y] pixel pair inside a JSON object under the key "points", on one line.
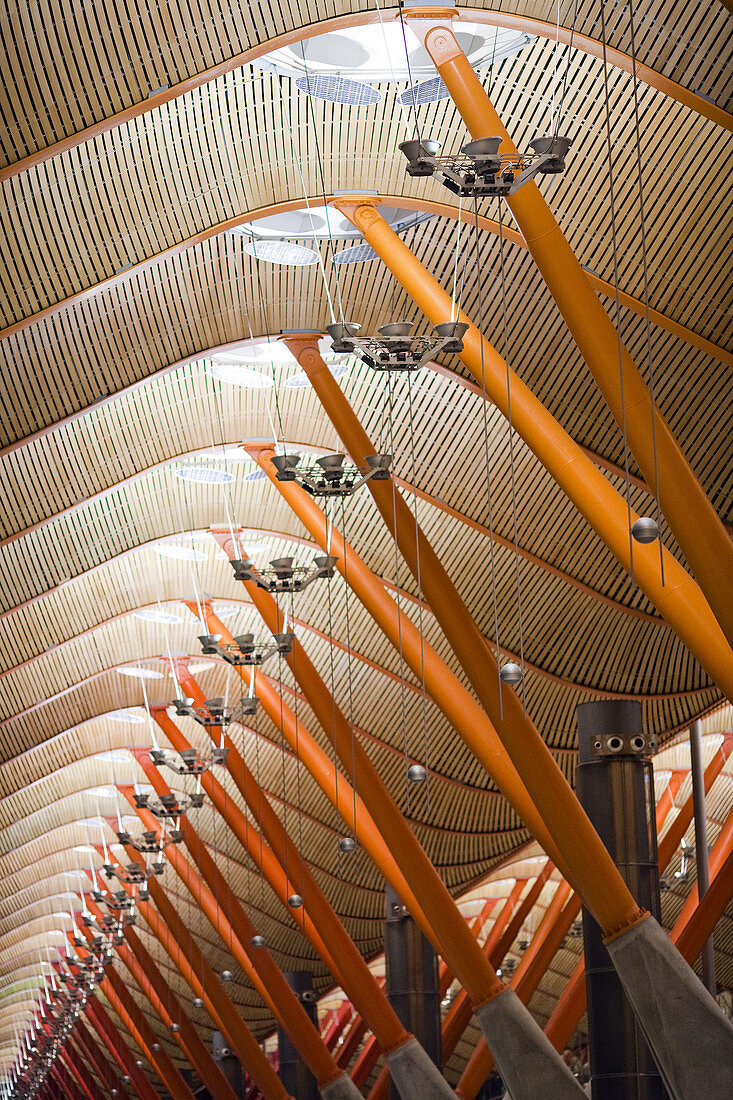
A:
{"points": [[227, 976], [139, 1063], [347, 844], [258, 941], [155, 1047], [174, 1029], [645, 529], [127, 1078], [510, 673], [197, 1002], [295, 901], [416, 773]]}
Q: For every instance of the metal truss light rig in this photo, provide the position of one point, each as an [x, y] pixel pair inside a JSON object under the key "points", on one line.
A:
{"points": [[480, 169], [330, 475], [394, 349], [188, 761], [284, 575], [170, 807], [244, 650]]}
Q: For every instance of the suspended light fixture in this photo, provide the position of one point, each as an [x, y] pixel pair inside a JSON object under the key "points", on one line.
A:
{"points": [[284, 575], [331, 475], [188, 761], [244, 650], [480, 169], [395, 348], [210, 714], [169, 807]]}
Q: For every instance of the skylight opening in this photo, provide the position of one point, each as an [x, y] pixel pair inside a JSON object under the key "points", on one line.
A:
{"points": [[204, 475]]}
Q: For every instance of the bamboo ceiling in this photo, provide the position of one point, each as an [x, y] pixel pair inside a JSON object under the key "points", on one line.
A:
{"points": [[132, 138]]}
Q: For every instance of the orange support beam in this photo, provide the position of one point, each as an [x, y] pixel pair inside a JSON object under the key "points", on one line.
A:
{"points": [[78, 1070], [679, 599], [692, 518], [118, 1048], [68, 1082], [167, 1006], [121, 1001], [560, 914], [666, 801], [718, 855], [95, 1057], [180, 944], [671, 840], [335, 946], [232, 924]]}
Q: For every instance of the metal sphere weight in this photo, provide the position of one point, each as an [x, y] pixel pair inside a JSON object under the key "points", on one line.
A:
{"points": [[416, 773], [197, 1002], [510, 673], [155, 1047], [258, 941], [227, 976], [347, 844], [174, 1029], [645, 529], [295, 901], [139, 1063]]}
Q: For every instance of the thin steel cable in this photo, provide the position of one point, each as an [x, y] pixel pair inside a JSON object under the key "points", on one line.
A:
{"points": [[487, 458], [609, 152], [567, 66], [253, 686], [348, 671], [413, 104], [297, 746], [647, 321], [515, 530], [332, 671]]}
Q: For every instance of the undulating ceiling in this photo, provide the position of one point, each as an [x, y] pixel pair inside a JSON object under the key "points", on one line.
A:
{"points": [[141, 147]]}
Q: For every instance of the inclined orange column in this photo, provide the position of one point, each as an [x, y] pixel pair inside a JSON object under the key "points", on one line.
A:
{"points": [[670, 842], [94, 1056], [165, 1003], [74, 1078], [679, 600], [696, 526], [718, 854], [118, 1048], [593, 871], [560, 914], [455, 942], [666, 802], [78, 1070], [123, 1004], [231, 922], [333, 784], [180, 944], [350, 970]]}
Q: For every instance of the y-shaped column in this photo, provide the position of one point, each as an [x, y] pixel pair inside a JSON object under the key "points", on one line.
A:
{"points": [[696, 526]]}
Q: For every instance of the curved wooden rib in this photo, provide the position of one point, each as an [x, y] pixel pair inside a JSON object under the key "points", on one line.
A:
{"points": [[539, 27], [442, 209]]}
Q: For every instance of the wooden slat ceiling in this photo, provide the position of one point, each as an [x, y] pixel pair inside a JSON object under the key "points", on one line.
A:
{"points": [[104, 397]]}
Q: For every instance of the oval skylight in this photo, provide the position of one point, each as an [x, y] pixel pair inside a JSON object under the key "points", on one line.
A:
{"points": [[255, 475], [239, 374], [140, 673], [155, 615], [355, 254], [338, 89], [204, 475], [103, 792], [301, 380], [282, 252], [132, 716], [179, 553], [321, 223], [376, 52]]}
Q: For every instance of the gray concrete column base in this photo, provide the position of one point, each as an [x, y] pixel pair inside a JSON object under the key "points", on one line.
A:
{"points": [[415, 1075], [530, 1067], [689, 1036], [343, 1088]]}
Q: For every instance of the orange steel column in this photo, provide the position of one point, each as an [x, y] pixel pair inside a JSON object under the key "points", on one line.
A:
{"points": [[560, 914], [670, 842], [593, 871], [78, 1070], [679, 599], [666, 801], [334, 785], [121, 1001], [118, 1048], [569, 1009], [167, 1006], [234, 927], [350, 970], [696, 526], [94, 1056], [700, 926], [718, 854]]}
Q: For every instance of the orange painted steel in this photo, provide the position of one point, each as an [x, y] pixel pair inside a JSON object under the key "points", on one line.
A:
{"points": [[718, 854], [444, 688], [459, 1014], [335, 786], [560, 914], [679, 600], [230, 921], [701, 925], [569, 1009], [118, 1048], [455, 942], [666, 800], [355, 1034], [338, 1025], [687, 509], [165, 1003], [671, 840], [123, 1004], [94, 1055], [349, 968], [176, 939], [79, 1072]]}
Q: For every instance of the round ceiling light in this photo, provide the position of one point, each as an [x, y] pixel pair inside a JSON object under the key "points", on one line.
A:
{"points": [[255, 475], [140, 673], [355, 254], [238, 374], [179, 553], [282, 252], [338, 89], [103, 792], [301, 381], [85, 848], [376, 52], [319, 223], [427, 91], [155, 615], [204, 475]]}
